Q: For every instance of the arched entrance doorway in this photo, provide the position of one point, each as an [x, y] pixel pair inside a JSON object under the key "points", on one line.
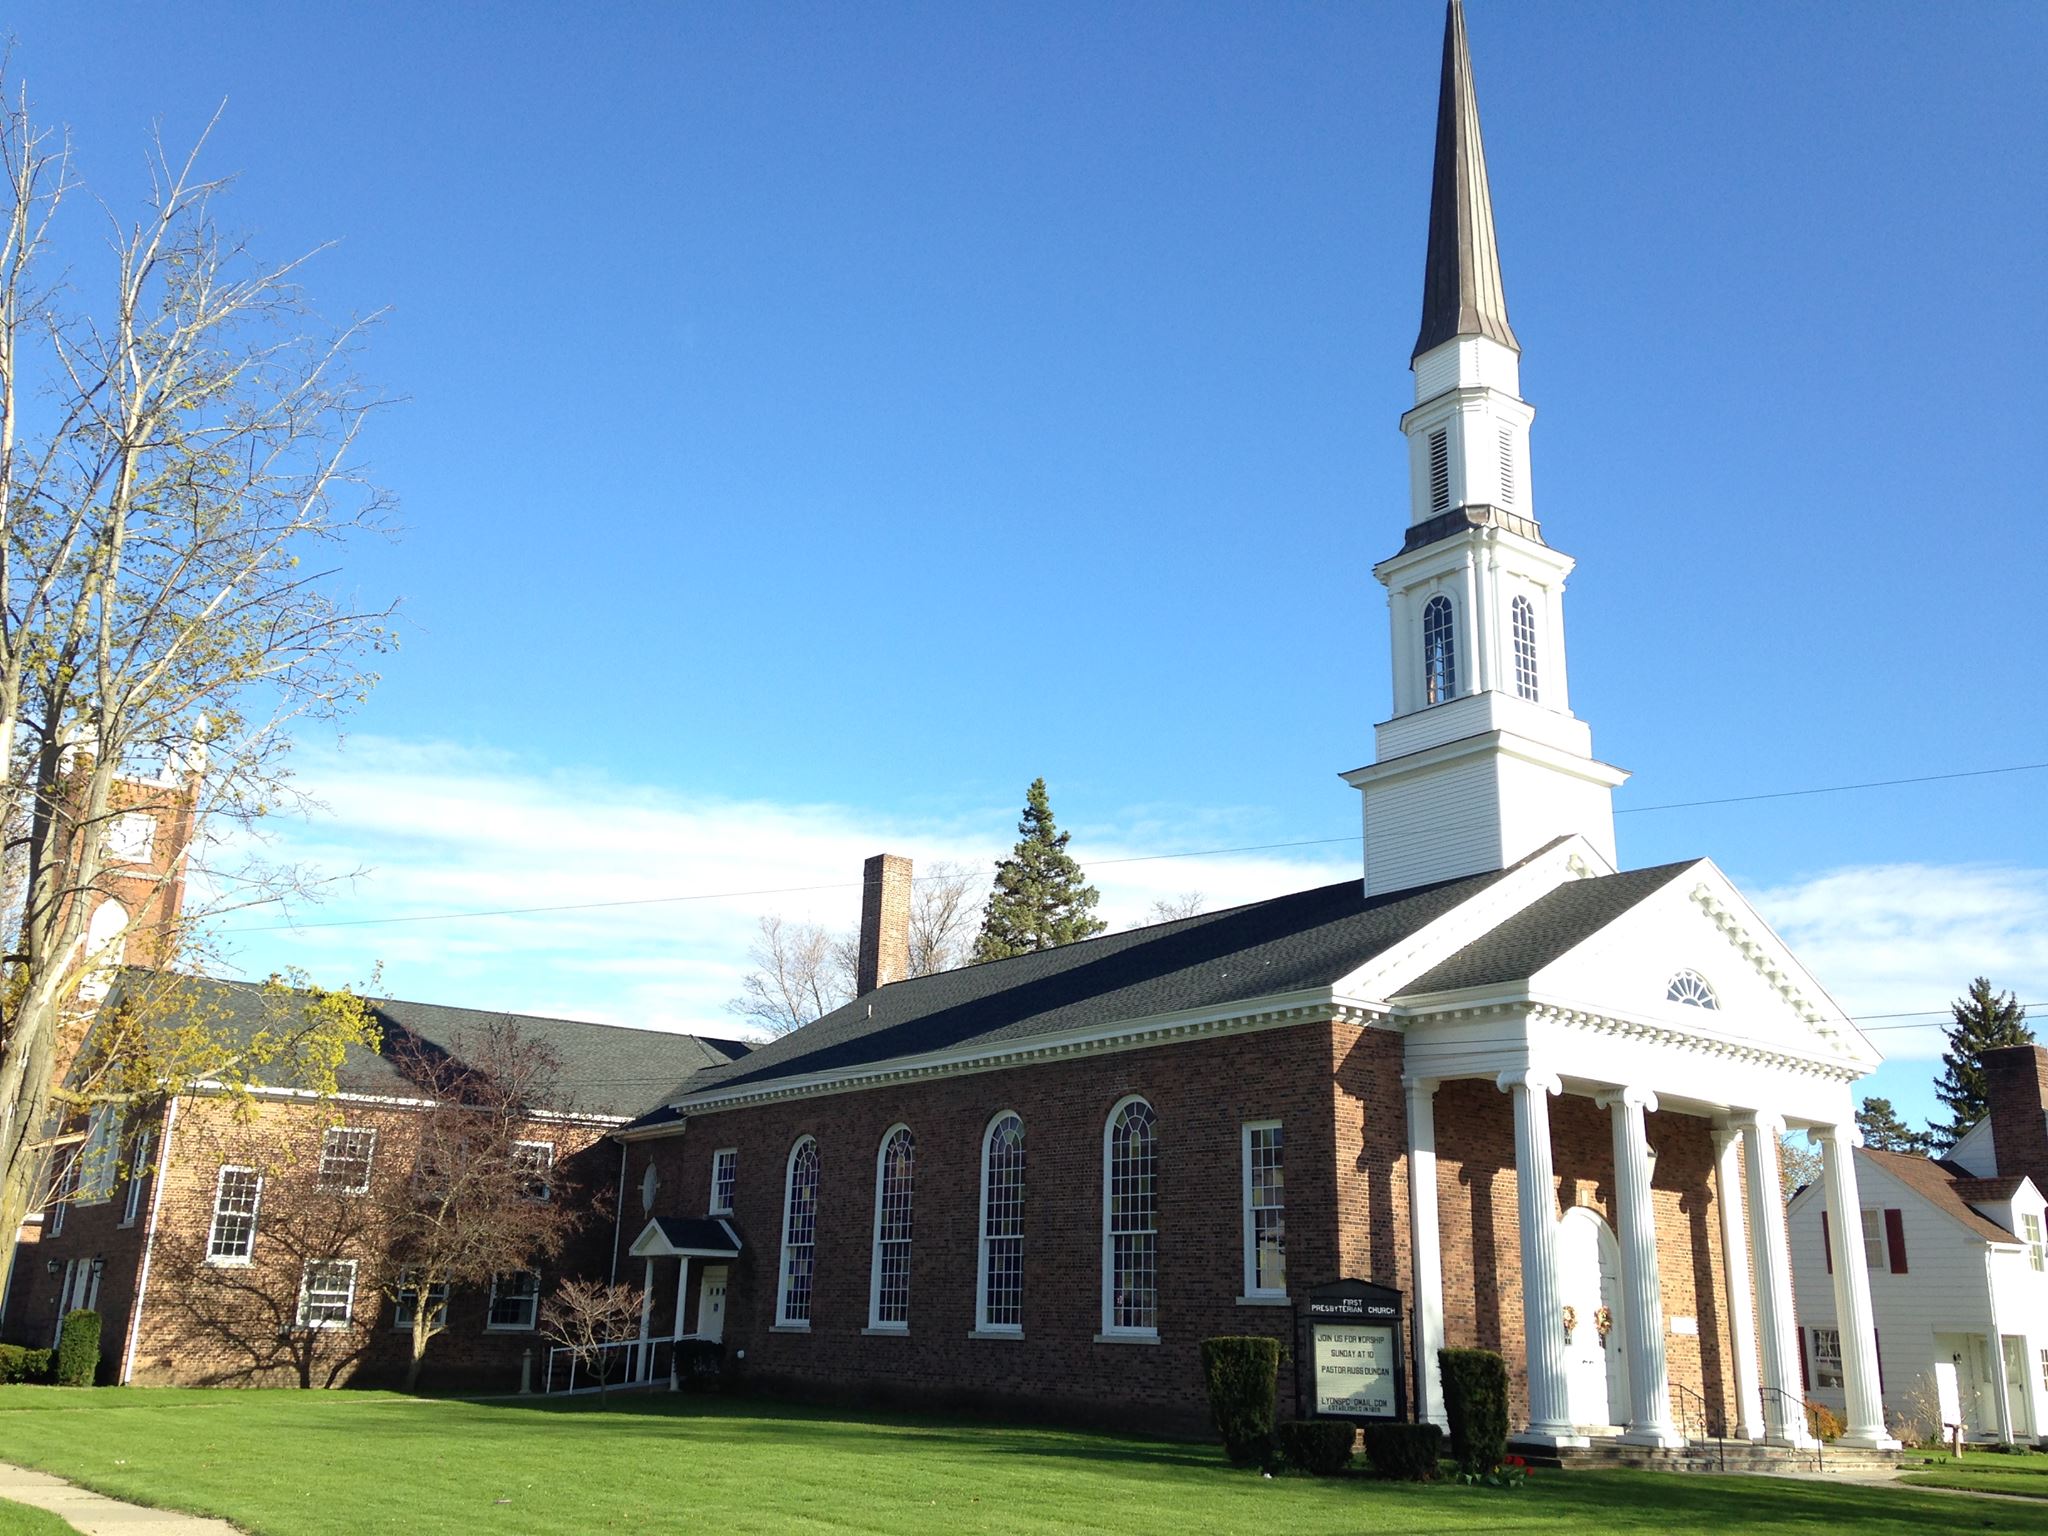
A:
{"points": [[1596, 1362]]}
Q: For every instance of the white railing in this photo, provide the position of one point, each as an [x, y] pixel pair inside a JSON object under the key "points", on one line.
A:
{"points": [[636, 1369]]}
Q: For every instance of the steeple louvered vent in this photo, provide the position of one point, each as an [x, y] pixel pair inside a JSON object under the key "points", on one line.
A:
{"points": [[1507, 467], [1440, 471]]}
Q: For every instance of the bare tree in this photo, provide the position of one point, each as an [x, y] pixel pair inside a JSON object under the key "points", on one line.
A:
{"points": [[800, 973], [584, 1315], [478, 1200], [1171, 909], [178, 464], [945, 911]]}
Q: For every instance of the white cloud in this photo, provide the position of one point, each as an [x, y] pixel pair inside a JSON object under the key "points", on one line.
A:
{"points": [[439, 828], [1890, 938]]}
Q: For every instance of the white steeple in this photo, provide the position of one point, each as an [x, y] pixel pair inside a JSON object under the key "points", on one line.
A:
{"points": [[1483, 760]]}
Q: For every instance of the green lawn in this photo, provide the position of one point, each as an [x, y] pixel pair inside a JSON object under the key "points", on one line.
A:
{"points": [[20, 1520], [1985, 1471], [309, 1463]]}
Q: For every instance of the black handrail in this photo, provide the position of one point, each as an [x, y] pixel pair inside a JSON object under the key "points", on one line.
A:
{"points": [[1797, 1416], [1708, 1429]]}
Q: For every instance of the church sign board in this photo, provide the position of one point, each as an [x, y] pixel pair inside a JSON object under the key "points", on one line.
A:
{"points": [[1354, 1351]]}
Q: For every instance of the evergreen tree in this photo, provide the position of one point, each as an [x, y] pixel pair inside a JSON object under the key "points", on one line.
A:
{"points": [[1984, 1020], [1883, 1129], [1040, 900]]}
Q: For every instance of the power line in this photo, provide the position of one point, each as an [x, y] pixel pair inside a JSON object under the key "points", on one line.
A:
{"points": [[1141, 858]]}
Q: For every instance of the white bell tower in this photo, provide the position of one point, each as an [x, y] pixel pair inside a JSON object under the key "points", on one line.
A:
{"points": [[1483, 760]]}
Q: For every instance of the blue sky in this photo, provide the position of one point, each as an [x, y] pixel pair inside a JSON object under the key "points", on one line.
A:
{"points": [[822, 419]]}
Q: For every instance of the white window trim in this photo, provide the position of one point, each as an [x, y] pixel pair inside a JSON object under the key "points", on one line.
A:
{"points": [[60, 1191], [99, 1158], [234, 1261], [983, 1328], [138, 1170], [875, 1322], [1878, 1260], [712, 1205], [783, 1321], [305, 1294], [369, 1158], [546, 1170], [533, 1316], [435, 1295], [1253, 1291], [2036, 1243], [1840, 1376], [1111, 1334]]}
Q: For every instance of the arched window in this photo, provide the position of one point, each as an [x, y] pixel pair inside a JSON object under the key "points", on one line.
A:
{"points": [[1524, 613], [1439, 652], [889, 1285], [1691, 988], [1001, 1307], [1130, 1220], [103, 949], [799, 1234]]}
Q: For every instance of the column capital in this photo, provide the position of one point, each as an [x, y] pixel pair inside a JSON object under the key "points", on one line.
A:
{"points": [[1529, 1077], [1630, 1096], [1426, 1086], [1765, 1122], [1850, 1135]]}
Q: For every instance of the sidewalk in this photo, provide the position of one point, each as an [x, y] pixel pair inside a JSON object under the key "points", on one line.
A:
{"points": [[97, 1515]]}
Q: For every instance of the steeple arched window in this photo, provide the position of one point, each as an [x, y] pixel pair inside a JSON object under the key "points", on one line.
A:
{"points": [[1439, 651], [1524, 614]]}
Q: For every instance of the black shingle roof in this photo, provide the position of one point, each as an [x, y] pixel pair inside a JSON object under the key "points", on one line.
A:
{"points": [[1290, 943], [1546, 928], [604, 1069]]}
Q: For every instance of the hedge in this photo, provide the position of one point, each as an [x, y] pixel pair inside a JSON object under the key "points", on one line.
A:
{"points": [[1476, 1397], [1244, 1378], [1321, 1446], [19, 1363], [1407, 1453], [78, 1349]]}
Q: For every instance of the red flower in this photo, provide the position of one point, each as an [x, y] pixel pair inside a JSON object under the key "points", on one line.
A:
{"points": [[1515, 1461]]}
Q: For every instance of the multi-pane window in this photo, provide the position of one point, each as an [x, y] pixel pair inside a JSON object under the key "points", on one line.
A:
{"points": [[236, 1194], [1265, 1211], [2037, 1249], [345, 1154], [99, 1160], [1002, 1225], [1523, 613], [327, 1293], [409, 1300], [66, 1159], [1691, 988], [725, 1173], [1130, 1299], [532, 1161], [1439, 652], [2044, 1370], [1873, 1240], [799, 1234], [138, 1169], [1827, 1358], [515, 1302], [889, 1301], [1440, 471]]}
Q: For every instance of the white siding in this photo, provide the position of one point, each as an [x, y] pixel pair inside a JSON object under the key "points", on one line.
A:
{"points": [[1435, 826]]}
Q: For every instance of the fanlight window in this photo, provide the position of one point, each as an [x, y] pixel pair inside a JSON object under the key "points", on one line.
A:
{"points": [[1691, 988], [1524, 613], [1439, 652]]}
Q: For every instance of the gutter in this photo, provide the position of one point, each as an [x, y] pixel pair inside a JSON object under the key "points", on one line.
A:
{"points": [[156, 1205]]}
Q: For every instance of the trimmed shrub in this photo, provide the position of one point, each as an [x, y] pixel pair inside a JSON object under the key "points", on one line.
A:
{"points": [[78, 1349], [19, 1363], [1244, 1380], [1476, 1397], [700, 1365], [1407, 1453], [1321, 1446]]}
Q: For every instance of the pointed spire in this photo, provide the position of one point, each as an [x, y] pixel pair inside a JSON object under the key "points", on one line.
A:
{"points": [[1461, 288]]}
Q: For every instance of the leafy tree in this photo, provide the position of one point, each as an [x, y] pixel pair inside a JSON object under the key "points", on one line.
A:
{"points": [[1799, 1164], [1984, 1020], [1040, 900], [1883, 1129]]}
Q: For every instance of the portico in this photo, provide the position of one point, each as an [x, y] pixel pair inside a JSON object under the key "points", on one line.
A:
{"points": [[704, 1249]]}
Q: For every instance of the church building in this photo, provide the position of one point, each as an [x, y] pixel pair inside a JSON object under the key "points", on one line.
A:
{"points": [[1535, 1096]]}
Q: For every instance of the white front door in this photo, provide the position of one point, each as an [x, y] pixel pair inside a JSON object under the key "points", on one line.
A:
{"points": [[711, 1303], [2017, 1388], [1596, 1370]]}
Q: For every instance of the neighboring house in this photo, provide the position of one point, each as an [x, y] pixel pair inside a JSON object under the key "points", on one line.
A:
{"points": [[241, 1254], [1958, 1255], [1531, 1093]]}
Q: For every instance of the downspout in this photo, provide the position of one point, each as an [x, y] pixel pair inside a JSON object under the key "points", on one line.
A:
{"points": [[156, 1203], [619, 1214], [2001, 1391]]}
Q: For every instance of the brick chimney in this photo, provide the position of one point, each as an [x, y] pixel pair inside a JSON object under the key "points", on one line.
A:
{"points": [[884, 922], [2016, 1085]]}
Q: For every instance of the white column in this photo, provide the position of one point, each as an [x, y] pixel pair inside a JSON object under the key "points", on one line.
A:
{"points": [[1735, 1270], [1425, 1245], [1865, 1400], [1784, 1415], [1550, 1420], [1642, 1293], [645, 1352]]}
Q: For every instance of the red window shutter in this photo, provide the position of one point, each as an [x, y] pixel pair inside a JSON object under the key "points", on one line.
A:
{"points": [[1827, 1249], [1895, 1239], [1804, 1384]]}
